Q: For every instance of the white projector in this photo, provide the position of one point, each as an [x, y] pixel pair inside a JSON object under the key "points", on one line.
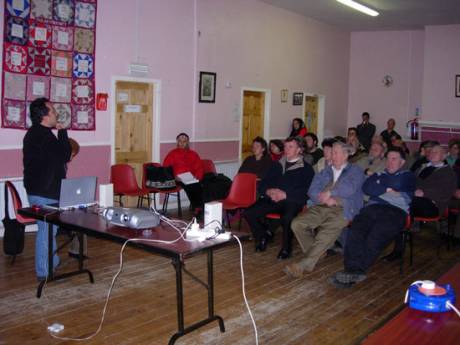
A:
{"points": [[131, 217]]}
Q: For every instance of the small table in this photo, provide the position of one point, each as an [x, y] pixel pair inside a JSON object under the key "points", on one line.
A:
{"points": [[414, 327], [90, 223]]}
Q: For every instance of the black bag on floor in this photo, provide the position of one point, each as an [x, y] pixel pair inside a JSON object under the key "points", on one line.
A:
{"points": [[13, 239], [215, 187], [160, 177]]}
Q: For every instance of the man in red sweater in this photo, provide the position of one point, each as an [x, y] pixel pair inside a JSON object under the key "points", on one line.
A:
{"points": [[188, 170]]}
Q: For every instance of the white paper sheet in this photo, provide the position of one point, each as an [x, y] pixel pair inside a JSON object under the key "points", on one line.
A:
{"points": [[17, 30], [132, 108], [82, 91], [63, 37], [14, 114], [82, 117], [38, 88], [16, 58], [187, 178], [61, 64], [122, 97]]}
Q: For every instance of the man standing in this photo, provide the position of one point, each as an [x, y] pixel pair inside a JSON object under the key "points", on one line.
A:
{"points": [[366, 131], [389, 132], [337, 197], [44, 159], [380, 222], [283, 190]]}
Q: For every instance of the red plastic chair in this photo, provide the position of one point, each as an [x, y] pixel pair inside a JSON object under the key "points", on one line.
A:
{"points": [[208, 166], [166, 193], [125, 183], [242, 194], [17, 204]]}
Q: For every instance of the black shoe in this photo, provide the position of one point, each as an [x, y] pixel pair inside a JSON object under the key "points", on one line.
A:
{"points": [[77, 256], [284, 254], [269, 236], [393, 256], [261, 246]]}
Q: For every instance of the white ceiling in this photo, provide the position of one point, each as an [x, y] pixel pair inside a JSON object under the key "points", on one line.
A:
{"points": [[394, 14]]}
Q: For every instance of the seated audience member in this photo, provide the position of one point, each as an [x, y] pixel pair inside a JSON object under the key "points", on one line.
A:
{"points": [[453, 155], [436, 182], [312, 153], [389, 132], [358, 149], [260, 161], [276, 149], [340, 138], [365, 131], [374, 161], [337, 198], [380, 221], [396, 141], [283, 190], [455, 201], [184, 160], [298, 128], [420, 157], [325, 161]]}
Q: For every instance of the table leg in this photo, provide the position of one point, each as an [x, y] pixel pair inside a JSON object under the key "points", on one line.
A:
{"points": [[211, 292]]}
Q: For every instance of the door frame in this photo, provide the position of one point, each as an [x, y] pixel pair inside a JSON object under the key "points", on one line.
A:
{"points": [[267, 104], [156, 114], [321, 110]]}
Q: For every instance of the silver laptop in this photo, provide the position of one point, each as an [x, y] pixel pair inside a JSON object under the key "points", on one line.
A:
{"points": [[76, 192]]}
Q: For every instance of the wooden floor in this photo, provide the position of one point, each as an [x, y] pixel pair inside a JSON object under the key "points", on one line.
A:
{"points": [[142, 309]]}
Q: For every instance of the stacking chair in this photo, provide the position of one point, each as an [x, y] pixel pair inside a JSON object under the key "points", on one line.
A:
{"points": [[208, 166], [166, 192], [242, 195], [17, 204], [124, 183]]}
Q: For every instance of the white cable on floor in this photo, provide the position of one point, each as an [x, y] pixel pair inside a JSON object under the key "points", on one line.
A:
{"points": [[450, 305], [244, 292]]}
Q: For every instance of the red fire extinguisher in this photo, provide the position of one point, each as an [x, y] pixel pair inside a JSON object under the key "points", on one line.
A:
{"points": [[412, 129], [101, 101]]}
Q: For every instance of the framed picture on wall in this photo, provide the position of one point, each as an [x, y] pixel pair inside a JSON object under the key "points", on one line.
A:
{"points": [[297, 98], [207, 89], [284, 95], [457, 85]]}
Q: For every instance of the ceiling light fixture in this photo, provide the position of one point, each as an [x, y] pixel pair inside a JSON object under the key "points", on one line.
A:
{"points": [[359, 7]]}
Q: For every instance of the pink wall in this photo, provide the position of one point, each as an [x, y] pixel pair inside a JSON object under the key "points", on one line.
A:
{"points": [[442, 63], [374, 55]]}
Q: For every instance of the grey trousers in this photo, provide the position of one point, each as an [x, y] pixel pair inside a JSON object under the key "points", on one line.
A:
{"points": [[316, 230]]}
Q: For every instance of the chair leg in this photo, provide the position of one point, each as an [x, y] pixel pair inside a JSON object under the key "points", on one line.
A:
{"points": [[403, 252], [179, 207], [120, 201], [411, 247], [227, 216], [240, 215], [165, 203]]}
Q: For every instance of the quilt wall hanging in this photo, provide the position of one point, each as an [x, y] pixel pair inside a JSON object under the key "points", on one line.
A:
{"points": [[48, 51]]}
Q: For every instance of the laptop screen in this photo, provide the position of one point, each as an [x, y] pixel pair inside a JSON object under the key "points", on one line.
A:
{"points": [[80, 191]]}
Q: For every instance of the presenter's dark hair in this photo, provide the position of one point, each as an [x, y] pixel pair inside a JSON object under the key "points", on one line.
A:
{"points": [[38, 109]]}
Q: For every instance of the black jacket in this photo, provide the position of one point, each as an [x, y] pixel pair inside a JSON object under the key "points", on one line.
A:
{"points": [[295, 180], [44, 159]]}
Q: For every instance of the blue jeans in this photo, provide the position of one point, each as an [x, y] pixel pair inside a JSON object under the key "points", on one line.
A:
{"points": [[41, 241]]}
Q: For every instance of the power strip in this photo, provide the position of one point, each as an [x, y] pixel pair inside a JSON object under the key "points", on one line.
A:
{"points": [[202, 235]]}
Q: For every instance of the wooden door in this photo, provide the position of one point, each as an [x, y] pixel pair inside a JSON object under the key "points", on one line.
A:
{"points": [[311, 113], [133, 127], [253, 119]]}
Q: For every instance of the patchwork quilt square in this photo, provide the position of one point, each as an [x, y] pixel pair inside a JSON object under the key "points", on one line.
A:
{"points": [[15, 58], [41, 9], [37, 86], [14, 114], [83, 117], [61, 64], [39, 34], [83, 66], [84, 41], [82, 91], [63, 11], [62, 38], [16, 30], [85, 15], [15, 86], [61, 90], [63, 113], [39, 61], [18, 8]]}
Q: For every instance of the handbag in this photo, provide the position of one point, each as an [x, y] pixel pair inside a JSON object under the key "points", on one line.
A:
{"points": [[13, 240], [160, 177]]}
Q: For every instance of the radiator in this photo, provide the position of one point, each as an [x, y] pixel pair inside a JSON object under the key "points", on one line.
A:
{"points": [[18, 183]]}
